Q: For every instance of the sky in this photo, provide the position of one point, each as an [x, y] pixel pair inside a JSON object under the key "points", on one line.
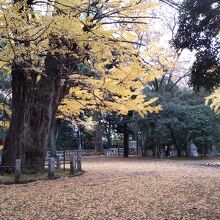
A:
{"points": [[164, 30]]}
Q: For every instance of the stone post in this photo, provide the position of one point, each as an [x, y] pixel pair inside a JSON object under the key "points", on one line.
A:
{"points": [[79, 163], [17, 170], [51, 168], [72, 165]]}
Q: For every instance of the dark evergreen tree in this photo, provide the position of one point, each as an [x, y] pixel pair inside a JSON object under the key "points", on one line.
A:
{"points": [[199, 27]]}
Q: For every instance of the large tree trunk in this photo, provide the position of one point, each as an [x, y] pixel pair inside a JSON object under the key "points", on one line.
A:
{"points": [[20, 111], [34, 107]]}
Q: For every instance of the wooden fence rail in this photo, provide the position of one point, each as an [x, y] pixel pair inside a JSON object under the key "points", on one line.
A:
{"points": [[52, 163]]}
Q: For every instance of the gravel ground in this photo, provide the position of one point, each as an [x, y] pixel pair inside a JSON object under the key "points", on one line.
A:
{"points": [[119, 188]]}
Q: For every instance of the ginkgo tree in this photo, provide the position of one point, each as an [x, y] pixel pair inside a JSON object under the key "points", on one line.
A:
{"points": [[214, 100], [76, 54]]}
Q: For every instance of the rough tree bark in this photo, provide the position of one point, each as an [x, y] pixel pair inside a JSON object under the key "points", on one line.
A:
{"points": [[34, 106]]}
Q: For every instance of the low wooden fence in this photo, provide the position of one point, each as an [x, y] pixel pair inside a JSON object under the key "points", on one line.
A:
{"points": [[119, 151], [64, 156], [52, 164], [68, 153]]}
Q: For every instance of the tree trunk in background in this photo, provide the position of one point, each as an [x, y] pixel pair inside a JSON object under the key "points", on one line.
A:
{"points": [[53, 139], [34, 108], [98, 133], [108, 136], [174, 141], [126, 140], [152, 125], [140, 148], [98, 139], [188, 141]]}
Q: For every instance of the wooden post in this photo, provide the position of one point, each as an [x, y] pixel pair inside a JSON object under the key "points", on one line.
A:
{"points": [[78, 163], [58, 158], [64, 160], [126, 140], [17, 170], [72, 165], [51, 167]]}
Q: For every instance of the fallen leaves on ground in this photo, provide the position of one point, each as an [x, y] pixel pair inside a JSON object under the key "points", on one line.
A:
{"points": [[120, 188]]}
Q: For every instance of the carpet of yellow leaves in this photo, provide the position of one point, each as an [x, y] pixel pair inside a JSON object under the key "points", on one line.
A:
{"points": [[118, 188]]}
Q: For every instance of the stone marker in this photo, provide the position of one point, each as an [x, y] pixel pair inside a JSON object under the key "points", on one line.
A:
{"points": [[79, 163], [17, 170], [72, 165], [51, 168]]}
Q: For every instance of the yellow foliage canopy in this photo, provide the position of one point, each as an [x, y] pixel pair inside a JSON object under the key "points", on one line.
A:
{"points": [[3, 122], [107, 37], [214, 100]]}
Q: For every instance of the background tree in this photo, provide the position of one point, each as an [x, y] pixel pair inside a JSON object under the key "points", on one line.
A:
{"points": [[199, 30], [214, 100], [184, 118]]}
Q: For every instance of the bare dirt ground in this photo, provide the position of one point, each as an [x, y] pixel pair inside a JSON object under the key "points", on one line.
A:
{"points": [[118, 188]]}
